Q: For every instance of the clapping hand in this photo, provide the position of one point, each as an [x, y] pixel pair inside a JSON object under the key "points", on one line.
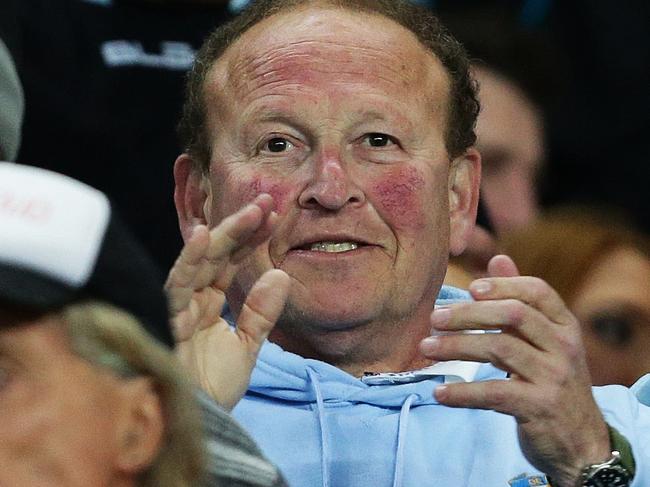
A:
{"points": [[218, 358], [561, 429]]}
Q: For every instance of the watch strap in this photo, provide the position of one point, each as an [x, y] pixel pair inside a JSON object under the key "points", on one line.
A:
{"points": [[620, 444]]}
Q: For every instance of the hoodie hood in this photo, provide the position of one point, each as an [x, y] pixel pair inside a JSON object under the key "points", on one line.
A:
{"points": [[286, 376], [642, 389]]}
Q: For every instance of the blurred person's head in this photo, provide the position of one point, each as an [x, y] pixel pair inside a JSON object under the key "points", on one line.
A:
{"points": [[601, 268], [517, 82], [11, 106], [90, 393], [518, 76], [510, 138]]}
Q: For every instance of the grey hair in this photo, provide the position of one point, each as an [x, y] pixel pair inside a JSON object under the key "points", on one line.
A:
{"points": [[110, 338]]}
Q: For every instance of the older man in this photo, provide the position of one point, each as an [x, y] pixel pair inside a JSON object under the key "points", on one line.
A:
{"points": [[332, 142], [90, 393]]}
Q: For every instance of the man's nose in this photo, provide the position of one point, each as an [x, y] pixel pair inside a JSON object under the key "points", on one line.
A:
{"points": [[330, 186]]}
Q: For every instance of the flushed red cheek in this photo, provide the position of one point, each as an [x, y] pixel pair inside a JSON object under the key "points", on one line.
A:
{"points": [[398, 194], [258, 185]]}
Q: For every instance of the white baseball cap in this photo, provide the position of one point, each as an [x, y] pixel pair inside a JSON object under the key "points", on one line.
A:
{"points": [[61, 242]]}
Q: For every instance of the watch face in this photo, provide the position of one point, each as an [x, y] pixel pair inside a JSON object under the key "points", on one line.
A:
{"points": [[613, 476]]}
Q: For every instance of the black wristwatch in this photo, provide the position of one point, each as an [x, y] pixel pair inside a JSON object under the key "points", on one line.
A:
{"points": [[608, 474], [618, 471]]}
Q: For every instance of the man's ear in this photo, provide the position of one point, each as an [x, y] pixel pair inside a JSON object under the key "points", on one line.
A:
{"points": [[191, 195], [464, 182], [141, 428]]}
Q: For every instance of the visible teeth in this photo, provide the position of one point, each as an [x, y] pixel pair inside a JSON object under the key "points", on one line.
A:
{"points": [[333, 246]]}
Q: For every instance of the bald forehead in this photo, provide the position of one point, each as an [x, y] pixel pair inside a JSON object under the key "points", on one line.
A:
{"points": [[309, 43]]}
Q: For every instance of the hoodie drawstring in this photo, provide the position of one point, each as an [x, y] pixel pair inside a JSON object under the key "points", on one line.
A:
{"points": [[320, 414], [401, 439]]}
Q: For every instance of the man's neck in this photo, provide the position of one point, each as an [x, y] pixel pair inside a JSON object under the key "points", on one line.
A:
{"points": [[373, 347]]}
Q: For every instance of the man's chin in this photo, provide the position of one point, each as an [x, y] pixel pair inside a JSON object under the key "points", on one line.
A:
{"points": [[326, 316], [330, 335]]}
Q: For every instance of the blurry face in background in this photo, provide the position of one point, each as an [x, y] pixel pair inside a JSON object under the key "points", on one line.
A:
{"points": [[58, 414], [510, 139], [511, 143], [613, 306]]}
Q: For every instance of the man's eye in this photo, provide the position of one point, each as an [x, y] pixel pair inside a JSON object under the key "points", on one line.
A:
{"points": [[378, 140], [614, 329], [278, 144]]}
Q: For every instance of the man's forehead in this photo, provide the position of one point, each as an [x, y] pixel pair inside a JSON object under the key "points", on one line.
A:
{"points": [[331, 38]]}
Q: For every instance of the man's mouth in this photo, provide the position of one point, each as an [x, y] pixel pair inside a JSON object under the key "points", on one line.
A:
{"points": [[333, 247]]}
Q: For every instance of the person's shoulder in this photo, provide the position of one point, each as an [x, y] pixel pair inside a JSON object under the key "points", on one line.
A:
{"points": [[641, 389], [626, 408]]}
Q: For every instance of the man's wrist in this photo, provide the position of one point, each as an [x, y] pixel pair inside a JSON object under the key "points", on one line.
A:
{"points": [[621, 452]]}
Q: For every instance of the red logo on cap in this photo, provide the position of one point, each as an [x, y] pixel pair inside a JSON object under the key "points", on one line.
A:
{"points": [[34, 209]]}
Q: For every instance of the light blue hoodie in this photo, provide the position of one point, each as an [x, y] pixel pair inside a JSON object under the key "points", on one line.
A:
{"points": [[322, 426]]}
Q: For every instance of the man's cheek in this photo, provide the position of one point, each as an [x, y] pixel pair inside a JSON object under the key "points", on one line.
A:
{"points": [[279, 191], [398, 195], [247, 190]]}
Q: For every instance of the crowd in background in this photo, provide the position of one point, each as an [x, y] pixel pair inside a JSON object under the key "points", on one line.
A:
{"points": [[563, 88]]}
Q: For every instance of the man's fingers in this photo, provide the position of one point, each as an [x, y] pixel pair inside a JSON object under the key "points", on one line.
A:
{"points": [[235, 238], [203, 311], [515, 398], [237, 229], [509, 315], [503, 350], [530, 290], [207, 256], [180, 281], [502, 266], [262, 308], [257, 238]]}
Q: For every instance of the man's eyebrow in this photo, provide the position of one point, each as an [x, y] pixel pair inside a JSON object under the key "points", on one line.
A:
{"points": [[272, 115], [359, 117], [372, 115], [394, 116]]}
